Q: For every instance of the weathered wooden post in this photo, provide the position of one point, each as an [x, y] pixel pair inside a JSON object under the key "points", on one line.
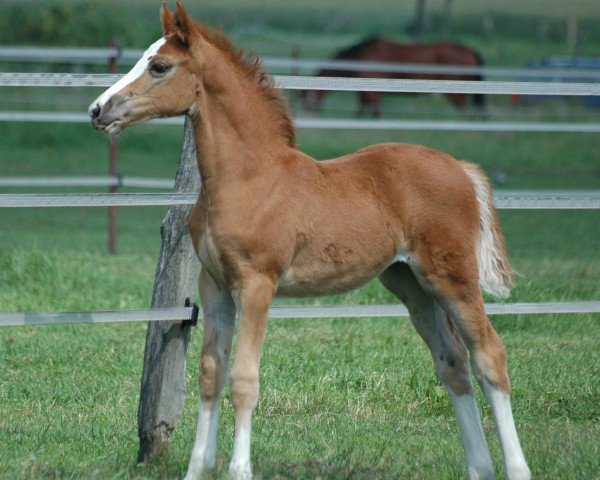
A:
{"points": [[163, 386]]}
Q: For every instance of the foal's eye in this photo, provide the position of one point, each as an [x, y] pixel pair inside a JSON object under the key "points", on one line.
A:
{"points": [[158, 69]]}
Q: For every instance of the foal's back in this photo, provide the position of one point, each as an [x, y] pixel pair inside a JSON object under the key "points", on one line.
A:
{"points": [[403, 182]]}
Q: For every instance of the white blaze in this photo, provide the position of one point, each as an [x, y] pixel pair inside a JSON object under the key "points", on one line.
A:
{"points": [[135, 73]]}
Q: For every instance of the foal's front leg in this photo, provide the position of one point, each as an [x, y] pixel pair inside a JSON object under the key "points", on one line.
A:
{"points": [[252, 302], [219, 319]]}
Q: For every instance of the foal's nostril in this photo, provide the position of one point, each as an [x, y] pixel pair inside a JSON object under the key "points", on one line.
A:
{"points": [[95, 112]]}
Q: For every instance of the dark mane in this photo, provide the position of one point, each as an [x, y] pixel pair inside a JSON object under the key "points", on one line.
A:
{"points": [[252, 68]]}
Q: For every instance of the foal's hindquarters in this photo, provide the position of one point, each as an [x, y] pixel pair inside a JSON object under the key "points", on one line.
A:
{"points": [[451, 338], [436, 219]]}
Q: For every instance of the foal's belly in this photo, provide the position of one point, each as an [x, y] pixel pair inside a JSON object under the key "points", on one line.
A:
{"points": [[320, 277]]}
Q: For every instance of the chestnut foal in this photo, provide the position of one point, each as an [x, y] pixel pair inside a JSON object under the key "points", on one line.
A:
{"points": [[271, 220]]}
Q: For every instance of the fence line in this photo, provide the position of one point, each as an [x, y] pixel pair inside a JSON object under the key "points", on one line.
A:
{"points": [[332, 83], [346, 124], [130, 56], [64, 54], [281, 312], [505, 199], [436, 86], [447, 125], [508, 200], [91, 181], [422, 68]]}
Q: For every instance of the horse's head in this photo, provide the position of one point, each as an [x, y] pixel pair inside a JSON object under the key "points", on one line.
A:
{"points": [[163, 83]]}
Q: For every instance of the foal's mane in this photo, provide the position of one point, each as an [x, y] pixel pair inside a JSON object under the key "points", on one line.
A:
{"points": [[251, 67]]}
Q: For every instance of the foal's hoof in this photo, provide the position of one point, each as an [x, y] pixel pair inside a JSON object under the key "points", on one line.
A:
{"points": [[481, 472], [240, 472]]}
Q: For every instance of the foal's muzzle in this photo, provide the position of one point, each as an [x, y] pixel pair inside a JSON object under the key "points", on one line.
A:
{"points": [[110, 116]]}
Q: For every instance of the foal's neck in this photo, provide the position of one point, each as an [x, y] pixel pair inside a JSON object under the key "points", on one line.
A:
{"points": [[237, 130]]}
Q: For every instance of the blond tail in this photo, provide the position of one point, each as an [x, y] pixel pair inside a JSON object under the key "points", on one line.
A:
{"points": [[495, 272]]}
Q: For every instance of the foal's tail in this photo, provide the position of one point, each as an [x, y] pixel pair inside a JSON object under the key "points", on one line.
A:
{"points": [[495, 272]]}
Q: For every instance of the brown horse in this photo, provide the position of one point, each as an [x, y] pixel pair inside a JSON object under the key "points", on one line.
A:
{"points": [[382, 50], [271, 220]]}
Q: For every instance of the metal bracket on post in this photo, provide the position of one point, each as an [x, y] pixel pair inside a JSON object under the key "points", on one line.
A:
{"points": [[193, 321]]}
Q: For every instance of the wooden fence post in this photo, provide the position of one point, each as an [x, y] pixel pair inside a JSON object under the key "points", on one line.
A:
{"points": [[163, 387]]}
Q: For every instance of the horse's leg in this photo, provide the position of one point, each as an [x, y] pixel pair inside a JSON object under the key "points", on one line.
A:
{"points": [[375, 96], [219, 319], [363, 103], [252, 302], [450, 272], [459, 100], [450, 360]]}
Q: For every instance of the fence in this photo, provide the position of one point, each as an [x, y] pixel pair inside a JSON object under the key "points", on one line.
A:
{"points": [[504, 199], [299, 82], [163, 379], [346, 124], [130, 56], [507, 199]]}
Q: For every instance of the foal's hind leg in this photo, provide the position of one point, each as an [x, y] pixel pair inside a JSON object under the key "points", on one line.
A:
{"points": [[451, 275], [451, 362], [219, 318]]}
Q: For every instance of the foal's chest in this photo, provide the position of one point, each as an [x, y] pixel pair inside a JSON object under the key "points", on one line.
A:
{"points": [[210, 256], [205, 241]]}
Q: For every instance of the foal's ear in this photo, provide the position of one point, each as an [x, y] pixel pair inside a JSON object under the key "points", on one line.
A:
{"points": [[167, 19], [177, 23], [183, 25]]}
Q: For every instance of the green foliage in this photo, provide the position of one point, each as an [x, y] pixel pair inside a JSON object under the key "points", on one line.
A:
{"points": [[60, 23], [135, 23], [73, 281]]}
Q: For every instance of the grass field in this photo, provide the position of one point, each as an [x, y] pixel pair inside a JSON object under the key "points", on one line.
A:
{"points": [[340, 399]]}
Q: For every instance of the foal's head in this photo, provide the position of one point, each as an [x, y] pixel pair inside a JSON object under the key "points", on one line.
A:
{"points": [[164, 82]]}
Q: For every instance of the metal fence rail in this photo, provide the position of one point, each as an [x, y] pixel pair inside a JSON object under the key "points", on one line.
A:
{"points": [[292, 64], [507, 199], [129, 56], [277, 312], [346, 124], [327, 83], [91, 181]]}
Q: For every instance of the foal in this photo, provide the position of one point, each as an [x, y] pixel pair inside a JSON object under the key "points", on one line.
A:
{"points": [[270, 220]]}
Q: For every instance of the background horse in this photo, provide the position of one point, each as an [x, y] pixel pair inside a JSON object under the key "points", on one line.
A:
{"points": [[270, 220], [381, 50]]}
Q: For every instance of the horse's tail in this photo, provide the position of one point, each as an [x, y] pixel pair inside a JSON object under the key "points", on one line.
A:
{"points": [[478, 98], [495, 272]]}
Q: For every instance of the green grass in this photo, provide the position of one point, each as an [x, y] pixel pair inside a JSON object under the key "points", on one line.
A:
{"points": [[340, 398]]}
